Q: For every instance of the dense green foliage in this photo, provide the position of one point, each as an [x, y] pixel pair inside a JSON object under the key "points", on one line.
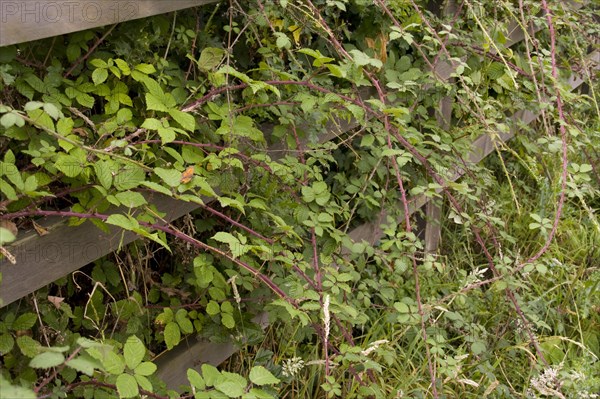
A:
{"points": [[203, 106]]}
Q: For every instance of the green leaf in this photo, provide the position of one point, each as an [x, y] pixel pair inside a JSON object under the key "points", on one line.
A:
{"points": [[170, 176], [24, 322], [6, 236], [145, 68], [41, 118], [362, 59], [184, 322], [7, 342], [69, 165], [231, 384], [143, 382], [478, 347], [7, 190], [495, 70], [172, 335], [155, 103], [28, 346], [256, 393], [85, 364], [167, 135], [210, 58], [9, 119], [152, 124], [7, 390], [131, 199], [184, 119], [283, 41], [196, 379], [145, 369], [157, 187], [227, 320], [7, 54], [47, 360], [227, 238], [125, 222], [113, 363], [103, 170], [123, 66], [127, 386], [124, 115], [99, 76], [52, 110], [98, 63], [213, 308], [211, 374], [64, 126], [261, 376], [133, 351]]}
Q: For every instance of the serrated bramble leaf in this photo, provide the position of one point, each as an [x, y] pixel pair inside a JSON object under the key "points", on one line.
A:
{"points": [[127, 386], [6, 343], [134, 352], [231, 384], [145, 68], [145, 369], [143, 382], [210, 58], [85, 364], [125, 222], [259, 375], [47, 360], [195, 379], [170, 176], [28, 346], [154, 103], [113, 363], [99, 76], [24, 321], [184, 322], [131, 199], [172, 335], [211, 374], [227, 320], [184, 119]]}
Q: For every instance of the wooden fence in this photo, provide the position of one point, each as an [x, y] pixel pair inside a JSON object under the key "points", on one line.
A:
{"points": [[44, 259]]}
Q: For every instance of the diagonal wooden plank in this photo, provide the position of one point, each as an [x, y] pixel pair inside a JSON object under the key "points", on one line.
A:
{"points": [[371, 232], [25, 20], [44, 259]]}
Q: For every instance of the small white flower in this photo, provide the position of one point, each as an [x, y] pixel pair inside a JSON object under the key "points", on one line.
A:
{"points": [[326, 318], [373, 346], [291, 367]]}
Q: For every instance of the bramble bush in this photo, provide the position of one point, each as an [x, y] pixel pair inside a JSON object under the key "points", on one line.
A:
{"points": [[292, 125]]}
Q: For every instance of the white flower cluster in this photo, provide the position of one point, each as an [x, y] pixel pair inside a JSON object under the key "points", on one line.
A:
{"points": [[548, 383], [291, 367], [374, 346]]}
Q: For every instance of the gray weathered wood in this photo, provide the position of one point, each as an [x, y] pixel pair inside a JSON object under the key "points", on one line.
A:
{"points": [[25, 20], [44, 259], [192, 353], [371, 232]]}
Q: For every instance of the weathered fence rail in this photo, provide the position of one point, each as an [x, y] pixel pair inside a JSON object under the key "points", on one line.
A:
{"points": [[44, 259], [26, 20]]}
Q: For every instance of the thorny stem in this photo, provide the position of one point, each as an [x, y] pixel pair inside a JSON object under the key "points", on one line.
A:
{"points": [[57, 370], [563, 136], [430, 365]]}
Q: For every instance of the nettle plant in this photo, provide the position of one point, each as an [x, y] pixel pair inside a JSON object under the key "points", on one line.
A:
{"points": [[290, 124]]}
